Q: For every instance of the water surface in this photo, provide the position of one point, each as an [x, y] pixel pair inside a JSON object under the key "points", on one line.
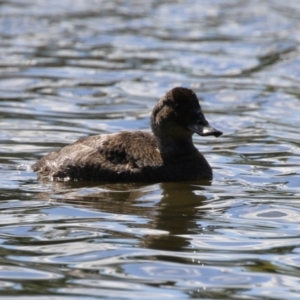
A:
{"points": [[70, 69]]}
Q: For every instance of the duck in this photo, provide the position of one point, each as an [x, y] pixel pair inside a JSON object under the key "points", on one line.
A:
{"points": [[168, 154]]}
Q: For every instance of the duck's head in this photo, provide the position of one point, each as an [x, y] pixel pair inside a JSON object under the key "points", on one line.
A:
{"points": [[178, 115]]}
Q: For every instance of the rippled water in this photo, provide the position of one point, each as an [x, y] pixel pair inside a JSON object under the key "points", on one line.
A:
{"points": [[74, 68]]}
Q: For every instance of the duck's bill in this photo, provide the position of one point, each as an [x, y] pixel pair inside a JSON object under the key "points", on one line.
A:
{"points": [[205, 130]]}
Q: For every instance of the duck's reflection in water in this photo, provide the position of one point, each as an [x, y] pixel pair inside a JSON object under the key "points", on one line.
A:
{"points": [[168, 210], [177, 214]]}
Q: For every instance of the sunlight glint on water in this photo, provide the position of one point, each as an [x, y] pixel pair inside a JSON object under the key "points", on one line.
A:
{"points": [[70, 69]]}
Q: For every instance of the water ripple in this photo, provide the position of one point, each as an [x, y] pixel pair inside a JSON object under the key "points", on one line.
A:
{"points": [[70, 69]]}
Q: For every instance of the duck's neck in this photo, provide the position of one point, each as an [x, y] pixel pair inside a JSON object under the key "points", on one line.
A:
{"points": [[170, 148]]}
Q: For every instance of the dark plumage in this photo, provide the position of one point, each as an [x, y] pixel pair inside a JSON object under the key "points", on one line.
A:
{"points": [[167, 155]]}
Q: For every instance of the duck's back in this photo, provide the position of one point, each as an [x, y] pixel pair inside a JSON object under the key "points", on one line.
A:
{"points": [[124, 156]]}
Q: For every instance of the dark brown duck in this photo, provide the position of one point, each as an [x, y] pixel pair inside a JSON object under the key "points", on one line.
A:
{"points": [[166, 155]]}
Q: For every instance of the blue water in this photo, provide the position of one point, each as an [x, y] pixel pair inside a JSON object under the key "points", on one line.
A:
{"points": [[70, 69]]}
